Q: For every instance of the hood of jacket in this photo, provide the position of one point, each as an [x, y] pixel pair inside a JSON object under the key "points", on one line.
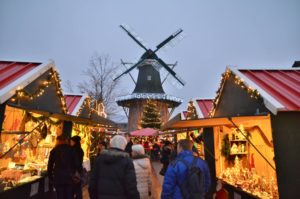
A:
{"points": [[113, 155], [142, 162]]}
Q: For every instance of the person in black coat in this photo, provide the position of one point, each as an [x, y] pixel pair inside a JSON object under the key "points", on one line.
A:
{"points": [[165, 159], [113, 176], [129, 144], [76, 146], [61, 167]]}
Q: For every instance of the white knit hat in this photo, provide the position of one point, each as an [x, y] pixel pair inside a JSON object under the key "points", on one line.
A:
{"points": [[138, 149], [119, 142]]}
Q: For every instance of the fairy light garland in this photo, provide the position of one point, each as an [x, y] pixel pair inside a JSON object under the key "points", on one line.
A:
{"points": [[253, 93], [53, 78], [86, 102]]}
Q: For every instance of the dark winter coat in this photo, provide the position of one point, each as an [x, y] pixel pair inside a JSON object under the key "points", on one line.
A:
{"points": [[62, 164], [113, 176], [128, 147], [165, 155], [176, 174], [79, 155]]}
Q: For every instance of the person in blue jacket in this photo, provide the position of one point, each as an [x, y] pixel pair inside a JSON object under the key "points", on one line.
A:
{"points": [[176, 172]]}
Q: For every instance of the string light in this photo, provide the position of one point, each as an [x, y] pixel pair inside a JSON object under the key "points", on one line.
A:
{"points": [[53, 78], [253, 93]]}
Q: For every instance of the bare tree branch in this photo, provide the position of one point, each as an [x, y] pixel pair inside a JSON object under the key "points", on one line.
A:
{"points": [[99, 84], [68, 86]]}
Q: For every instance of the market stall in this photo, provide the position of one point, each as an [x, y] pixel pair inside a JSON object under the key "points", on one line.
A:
{"points": [[78, 105], [274, 92], [253, 118], [30, 95], [81, 106]]}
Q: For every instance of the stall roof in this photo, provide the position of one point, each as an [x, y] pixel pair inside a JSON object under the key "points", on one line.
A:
{"points": [[177, 124], [14, 75], [205, 106], [280, 88], [74, 102]]}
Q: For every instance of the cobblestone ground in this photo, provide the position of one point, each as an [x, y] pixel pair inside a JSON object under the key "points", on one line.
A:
{"points": [[157, 181]]}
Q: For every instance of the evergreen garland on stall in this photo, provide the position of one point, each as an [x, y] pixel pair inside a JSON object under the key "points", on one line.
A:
{"points": [[151, 116], [225, 150]]}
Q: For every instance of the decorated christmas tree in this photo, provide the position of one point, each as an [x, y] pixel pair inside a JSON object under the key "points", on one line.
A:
{"points": [[191, 111], [151, 116]]}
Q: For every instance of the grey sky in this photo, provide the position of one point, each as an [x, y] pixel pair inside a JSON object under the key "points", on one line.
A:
{"points": [[248, 34]]}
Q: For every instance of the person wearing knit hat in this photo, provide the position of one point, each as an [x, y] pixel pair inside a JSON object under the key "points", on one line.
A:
{"points": [[142, 168], [113, 175], [118, 142]]}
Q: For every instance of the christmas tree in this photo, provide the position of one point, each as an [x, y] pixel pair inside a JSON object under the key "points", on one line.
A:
{"points": [[151, 116], [191, 111]]}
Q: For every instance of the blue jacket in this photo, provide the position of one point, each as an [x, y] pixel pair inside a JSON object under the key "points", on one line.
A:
{"points": [[176, 173]]}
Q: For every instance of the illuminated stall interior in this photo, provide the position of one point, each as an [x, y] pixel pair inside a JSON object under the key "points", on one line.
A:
{"points": [[34, 134], [245, 156]]}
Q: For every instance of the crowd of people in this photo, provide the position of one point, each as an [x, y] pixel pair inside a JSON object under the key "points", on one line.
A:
{"points": [[123, 169]]}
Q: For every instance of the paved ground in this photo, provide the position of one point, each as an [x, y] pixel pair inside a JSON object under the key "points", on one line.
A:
{"points": [[157, 181]]}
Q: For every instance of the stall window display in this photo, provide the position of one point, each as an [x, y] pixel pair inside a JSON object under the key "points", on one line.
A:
{"points": [[245, 158], [26, 142], [84, 131]]}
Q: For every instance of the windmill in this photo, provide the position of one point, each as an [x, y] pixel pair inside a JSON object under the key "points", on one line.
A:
{"points": [[153, 72]]}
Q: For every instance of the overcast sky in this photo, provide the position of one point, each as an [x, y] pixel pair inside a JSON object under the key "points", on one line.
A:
{"points": [[247, 34]]}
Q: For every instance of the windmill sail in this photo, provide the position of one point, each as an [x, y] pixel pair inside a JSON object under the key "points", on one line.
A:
{"points": [[150, 58], [134, 36]]}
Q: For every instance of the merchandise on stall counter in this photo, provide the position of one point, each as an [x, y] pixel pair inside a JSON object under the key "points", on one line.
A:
{"points": [[249, 181], [27, 156]]}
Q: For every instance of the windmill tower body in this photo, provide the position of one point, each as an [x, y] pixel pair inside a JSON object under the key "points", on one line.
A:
{"points": [[148, 85]]}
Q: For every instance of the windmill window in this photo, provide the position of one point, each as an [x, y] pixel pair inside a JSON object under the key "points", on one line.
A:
{"points": [[149, 77]]}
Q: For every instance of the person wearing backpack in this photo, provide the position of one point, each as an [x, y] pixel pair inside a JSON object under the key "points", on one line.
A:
{"points": [[187, 177]]}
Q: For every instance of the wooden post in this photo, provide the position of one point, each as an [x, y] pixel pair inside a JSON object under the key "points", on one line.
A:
{"points": [[2, 117], [67, 129], [209, 151], [286, 136]]}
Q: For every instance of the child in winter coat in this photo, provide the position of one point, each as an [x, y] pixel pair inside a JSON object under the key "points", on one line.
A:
{"points": [[142, 168]]}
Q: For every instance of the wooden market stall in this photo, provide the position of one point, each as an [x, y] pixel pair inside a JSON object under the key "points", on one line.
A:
{"points": [[28, 91], [80, 105], [253, 133], [33, 113]]}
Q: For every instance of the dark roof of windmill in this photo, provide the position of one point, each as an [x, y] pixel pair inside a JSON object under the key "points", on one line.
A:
{"points": [[148, 78], [128, 99]]}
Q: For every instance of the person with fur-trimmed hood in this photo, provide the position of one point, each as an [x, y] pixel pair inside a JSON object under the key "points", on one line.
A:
{"points": [[113, 175], [142, 168]]}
